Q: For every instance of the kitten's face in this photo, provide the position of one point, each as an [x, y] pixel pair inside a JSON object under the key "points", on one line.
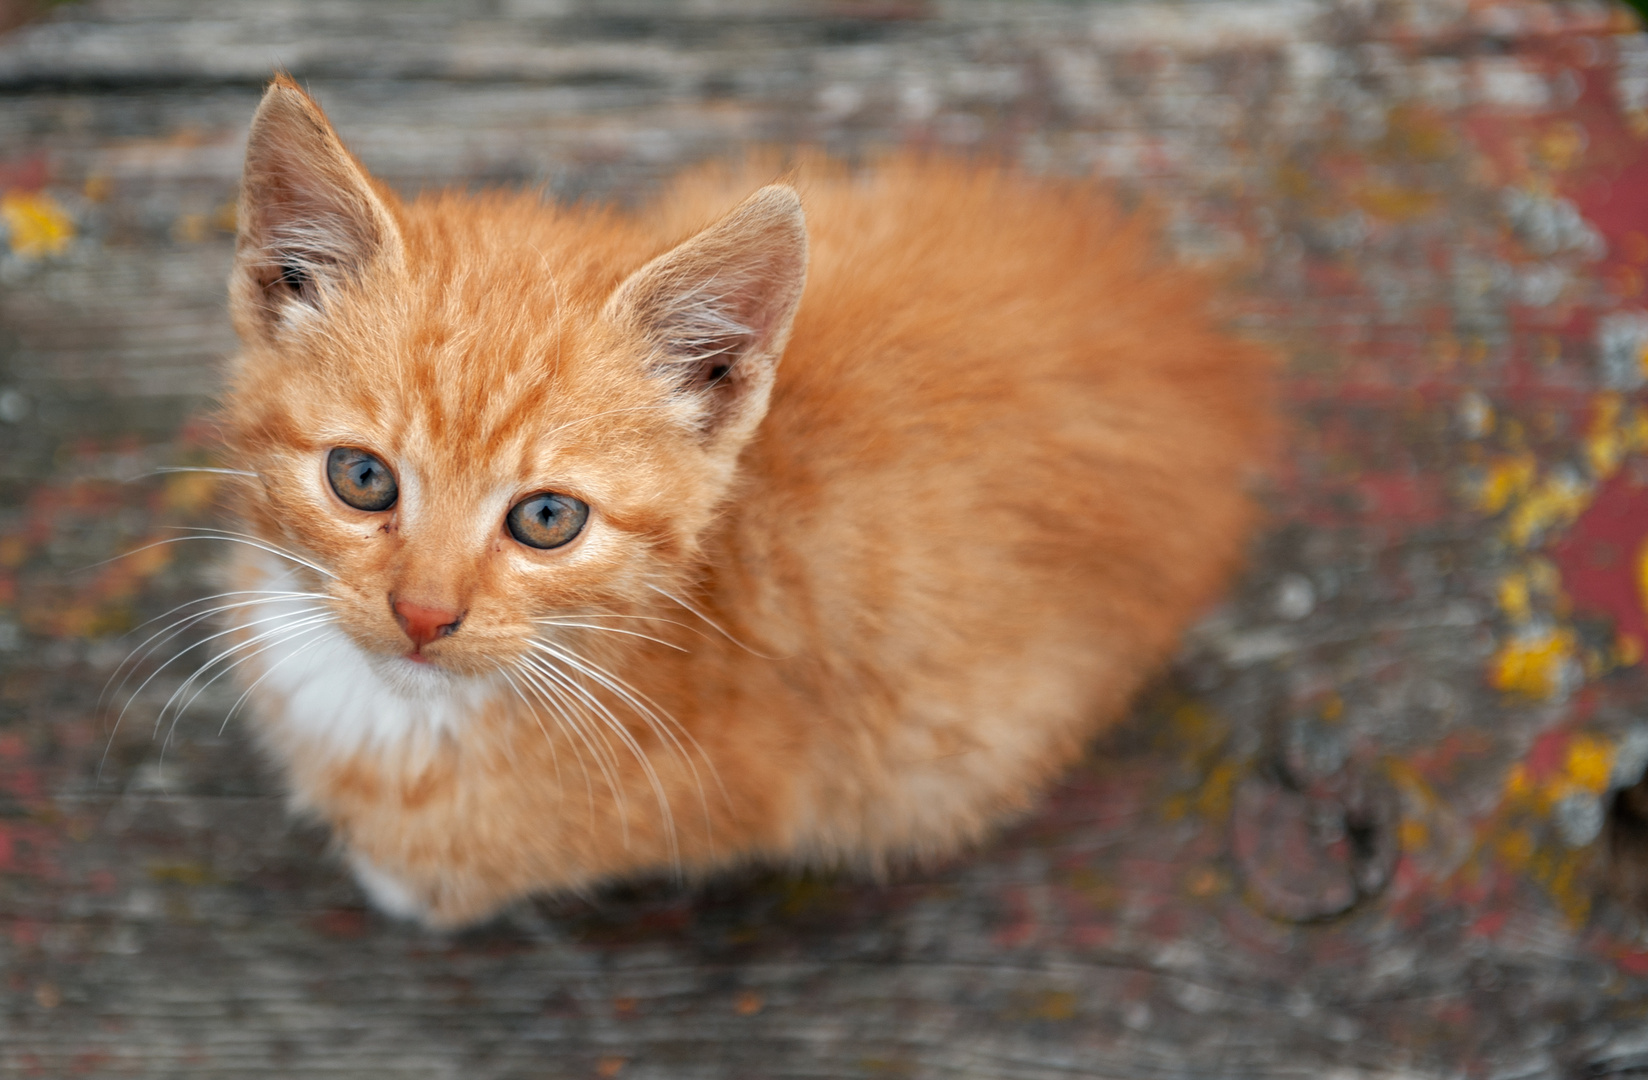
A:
{"points": [[449, 438], [464, 413]]}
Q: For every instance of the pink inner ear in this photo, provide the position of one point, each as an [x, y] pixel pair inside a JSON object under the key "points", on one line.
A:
{"points": [[718, 302], [307, 235], [308, 213], [703, 335]]}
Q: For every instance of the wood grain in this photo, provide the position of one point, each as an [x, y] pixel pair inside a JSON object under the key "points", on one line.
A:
{"points": [[1435, 210]]}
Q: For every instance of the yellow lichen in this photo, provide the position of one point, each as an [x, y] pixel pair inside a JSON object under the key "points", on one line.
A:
{"points": [[1513, 597], [1507, 479], [1533, 664], [1642, 580], [1206, 882], [37, 224], [1217, 792], [1587, 766], [1554, 503], [1608, 440], [1590, 762]]}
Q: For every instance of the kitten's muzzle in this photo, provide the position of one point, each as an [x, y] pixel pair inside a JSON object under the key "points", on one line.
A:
{"points": [[424, 624]]}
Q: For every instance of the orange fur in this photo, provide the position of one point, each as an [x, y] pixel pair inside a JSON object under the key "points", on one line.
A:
{"points": [[1001, 466]]}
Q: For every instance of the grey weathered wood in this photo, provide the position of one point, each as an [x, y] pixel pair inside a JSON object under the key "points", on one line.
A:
{"points": [[166, 919]]}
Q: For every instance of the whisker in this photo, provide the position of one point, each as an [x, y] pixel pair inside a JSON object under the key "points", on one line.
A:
{"points": [[550, 684], [318, 639], [578, 750], [257, 541], [623, 733], [134, 658], [121, 716], [160, 718], [711, 623], [179, 710], [190, 469], [305, 619], [613, 630], [227, 538], [644, 706], [574, 692], [654, 715], [293, 631], [689, 627], [556, 699], [274, 593], [554, 755], [307, 615]]}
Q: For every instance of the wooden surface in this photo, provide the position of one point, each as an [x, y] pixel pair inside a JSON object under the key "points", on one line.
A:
{"points": [[1362, 828]]}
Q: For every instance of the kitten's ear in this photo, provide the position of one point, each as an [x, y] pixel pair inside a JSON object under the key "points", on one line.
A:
{"points": [[717, 310], [309, 218]]}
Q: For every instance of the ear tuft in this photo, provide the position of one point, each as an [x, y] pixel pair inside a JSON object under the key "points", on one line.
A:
{"points": [[309, 218], [717, 310]]}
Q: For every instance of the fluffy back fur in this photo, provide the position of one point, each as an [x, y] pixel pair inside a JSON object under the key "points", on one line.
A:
{"points": [[853, 606]]}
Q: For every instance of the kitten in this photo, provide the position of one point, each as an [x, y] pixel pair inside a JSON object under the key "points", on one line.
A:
{"points": [[582, 544]]}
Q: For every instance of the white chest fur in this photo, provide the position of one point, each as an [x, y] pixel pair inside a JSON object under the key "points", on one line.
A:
{"points": [[310, 678]]}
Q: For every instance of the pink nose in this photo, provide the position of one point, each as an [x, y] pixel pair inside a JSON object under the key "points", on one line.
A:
{"points": [[423, 624]]}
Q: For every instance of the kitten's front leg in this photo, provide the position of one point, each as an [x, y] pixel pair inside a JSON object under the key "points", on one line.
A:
{"points": [[388, 893], [448, 901]]}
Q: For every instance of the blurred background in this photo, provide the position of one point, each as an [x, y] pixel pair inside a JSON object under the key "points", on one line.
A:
{"points": [[1384, 816]]}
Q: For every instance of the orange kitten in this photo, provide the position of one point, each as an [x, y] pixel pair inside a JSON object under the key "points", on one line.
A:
{"points": [[591, 544]]}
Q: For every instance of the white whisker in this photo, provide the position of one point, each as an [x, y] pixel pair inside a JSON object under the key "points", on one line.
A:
{"points": [[139, 653], [135, 694], [711, 623], [554, 755], [612, 723], [307, 619], [262, 544], [226, 537], [650, 712], [589, 789], [306, 612], [292, 631], [551, 683], [612, 630], [555, 698], [192, 469], [241, 700]]}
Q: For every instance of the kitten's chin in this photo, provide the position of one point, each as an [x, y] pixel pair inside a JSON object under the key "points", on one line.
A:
{"points": [[416, 680]]}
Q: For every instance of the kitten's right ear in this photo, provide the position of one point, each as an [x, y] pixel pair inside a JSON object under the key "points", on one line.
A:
{"points": [[717, 310], [309, 218]]}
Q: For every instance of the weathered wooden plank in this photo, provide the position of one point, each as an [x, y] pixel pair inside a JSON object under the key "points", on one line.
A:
{"points": [[1436, 211]]}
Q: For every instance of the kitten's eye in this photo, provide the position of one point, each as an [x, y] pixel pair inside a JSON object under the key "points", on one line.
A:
{"points": [[360, 479], [547, 520], [293, 277]]}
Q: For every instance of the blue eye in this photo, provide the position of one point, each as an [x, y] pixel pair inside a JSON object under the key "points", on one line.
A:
{"points": [[547, 520], [360, 479]]}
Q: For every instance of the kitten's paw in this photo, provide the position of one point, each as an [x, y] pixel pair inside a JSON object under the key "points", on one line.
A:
{"points": [[388, 893]]}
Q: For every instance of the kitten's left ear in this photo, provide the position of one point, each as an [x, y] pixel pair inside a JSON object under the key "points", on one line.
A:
{"points": [[309, 217], [717, 311]]}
